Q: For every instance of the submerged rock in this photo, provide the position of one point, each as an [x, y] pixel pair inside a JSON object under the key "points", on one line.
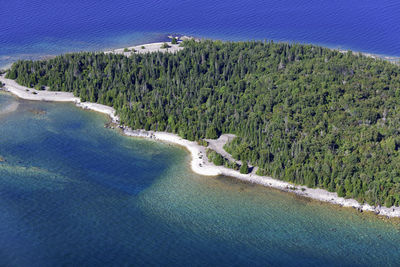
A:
{"points": [[37, 111]]}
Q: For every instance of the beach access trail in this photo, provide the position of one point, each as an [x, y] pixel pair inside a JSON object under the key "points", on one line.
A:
{"points": [[199, 163]]}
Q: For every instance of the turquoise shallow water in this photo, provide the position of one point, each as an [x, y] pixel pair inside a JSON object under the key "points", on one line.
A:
{"points": [[75, 193]]}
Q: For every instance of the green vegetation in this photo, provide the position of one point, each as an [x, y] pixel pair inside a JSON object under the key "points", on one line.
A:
{"points": [[244, 169], [174, 41], [39, 87], [202, 142], [215, 157], [219, 160], [143, 47], [302, 113], [231, 165], [126, 49], [165, 46]]}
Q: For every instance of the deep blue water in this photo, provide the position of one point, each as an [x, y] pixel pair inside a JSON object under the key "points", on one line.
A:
{"points": [[35, 28], [75, 193]]}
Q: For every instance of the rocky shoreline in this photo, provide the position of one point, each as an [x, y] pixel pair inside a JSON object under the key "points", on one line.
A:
{"points": [[199, 163]]}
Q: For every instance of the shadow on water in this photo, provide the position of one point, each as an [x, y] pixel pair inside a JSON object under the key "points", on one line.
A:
{"points": [[72, 143], [75, 193]]}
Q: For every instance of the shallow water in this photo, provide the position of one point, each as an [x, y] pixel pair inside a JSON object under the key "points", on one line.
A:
{"points": [[38, 28], [74, 192]]}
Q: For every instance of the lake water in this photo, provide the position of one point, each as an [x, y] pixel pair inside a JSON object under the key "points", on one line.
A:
{"points": [[36, 28], [75, 193]]}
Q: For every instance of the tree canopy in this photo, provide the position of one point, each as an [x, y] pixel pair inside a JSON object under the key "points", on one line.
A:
{"points": [[302, 113]]}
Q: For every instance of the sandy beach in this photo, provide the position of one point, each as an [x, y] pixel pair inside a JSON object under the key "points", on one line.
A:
{"points": [[42, 95], [199, 162], [32, 94], [146, 48], [202, 166]]}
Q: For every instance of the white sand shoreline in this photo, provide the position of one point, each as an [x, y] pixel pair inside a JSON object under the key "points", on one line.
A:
{"points": [[146, 48], [199, 162], [54, 96]]}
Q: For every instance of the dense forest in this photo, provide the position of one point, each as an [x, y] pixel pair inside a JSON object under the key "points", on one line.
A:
{"points": [[302, 113]]}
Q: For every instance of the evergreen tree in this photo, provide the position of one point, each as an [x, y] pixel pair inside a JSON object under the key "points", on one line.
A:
{"points": [[244, 169], [301, 113]]}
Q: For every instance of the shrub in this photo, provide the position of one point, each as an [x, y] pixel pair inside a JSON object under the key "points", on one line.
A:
{"points": [[165, 46], [389, 201], [202, 142], [211, 133], [341, 192], [218, 160], [231, 165], [244, 169]]}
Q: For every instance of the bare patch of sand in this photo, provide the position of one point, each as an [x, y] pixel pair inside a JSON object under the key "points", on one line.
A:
{"points": [[147, 48], [199, 163]]}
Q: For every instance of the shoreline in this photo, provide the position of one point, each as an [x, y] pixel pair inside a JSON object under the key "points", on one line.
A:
{"points": [[199, 162], [156, 47], [149, 48], [146, 48]]}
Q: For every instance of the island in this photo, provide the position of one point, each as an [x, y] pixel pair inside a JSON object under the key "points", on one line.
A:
{"points": [[310, 120]]}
